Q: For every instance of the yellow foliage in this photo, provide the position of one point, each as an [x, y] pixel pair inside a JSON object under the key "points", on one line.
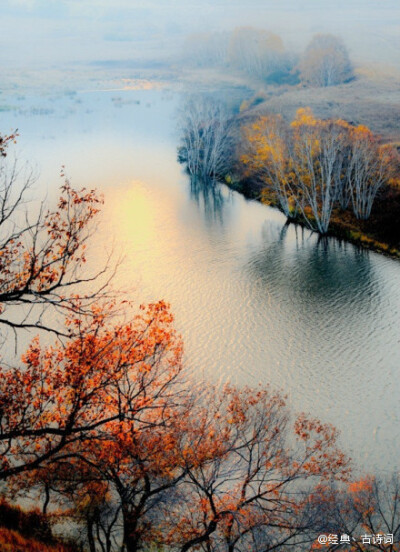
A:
{"points": [[304, 116]]}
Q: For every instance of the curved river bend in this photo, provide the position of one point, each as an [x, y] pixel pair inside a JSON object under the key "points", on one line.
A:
{"points": [[255, 300]]}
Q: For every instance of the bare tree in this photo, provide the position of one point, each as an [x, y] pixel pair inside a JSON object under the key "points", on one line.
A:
{"points": [[205, 137], [315, 161], [245, 475], [257, 52], [370, 166], [325, 62]]}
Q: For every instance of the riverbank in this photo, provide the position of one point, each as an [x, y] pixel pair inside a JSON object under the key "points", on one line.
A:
{"points": [[380, 233]]}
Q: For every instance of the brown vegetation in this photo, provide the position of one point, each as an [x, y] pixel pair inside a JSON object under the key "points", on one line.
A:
{"points": [[30, 531]]}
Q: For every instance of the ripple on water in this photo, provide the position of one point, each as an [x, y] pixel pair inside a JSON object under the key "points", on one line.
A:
{"points": [[255, 300]]}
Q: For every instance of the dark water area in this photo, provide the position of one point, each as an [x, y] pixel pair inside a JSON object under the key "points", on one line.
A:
{"points": [[255, 300]]}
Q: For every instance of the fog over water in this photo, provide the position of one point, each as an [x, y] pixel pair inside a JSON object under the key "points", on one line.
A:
{"points": [[37, 33]]}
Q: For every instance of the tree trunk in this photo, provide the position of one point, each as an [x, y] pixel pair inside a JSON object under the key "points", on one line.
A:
{"points": [[131, 536], [89, 525]]}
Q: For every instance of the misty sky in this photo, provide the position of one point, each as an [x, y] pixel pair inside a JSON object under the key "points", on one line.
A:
{"points": [[45, 32]]}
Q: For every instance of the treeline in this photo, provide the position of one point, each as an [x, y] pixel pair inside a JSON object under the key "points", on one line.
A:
{"points": [[261, 54], [314, 170], [312, 166]]}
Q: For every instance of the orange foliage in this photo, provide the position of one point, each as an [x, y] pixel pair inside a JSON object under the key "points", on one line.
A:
{"points": [[31, 270], [361, 486], [246, 480], [12, 541], [105, 416], [106, 376], [42, 252], [4, 141]]}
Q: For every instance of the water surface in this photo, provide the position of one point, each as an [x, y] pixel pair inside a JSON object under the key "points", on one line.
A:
{"points": [[255, 300]]}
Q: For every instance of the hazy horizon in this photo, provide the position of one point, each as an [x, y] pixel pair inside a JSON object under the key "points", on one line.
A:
{"points": [[46, 33]]}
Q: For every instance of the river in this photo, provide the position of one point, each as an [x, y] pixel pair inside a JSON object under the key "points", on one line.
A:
{"points": [[255, 300]]}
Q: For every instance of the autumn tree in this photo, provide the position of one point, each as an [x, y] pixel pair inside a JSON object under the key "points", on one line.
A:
{"points": [[301, 163], [139, 468], [42, 255], [224, 471], [315, 160], [313, 166], [373, 507], [88, 506], [247, 472], [63, 394], [43, 400], [77, 393], [325, 62], [97, 412], [366, 509], [103, 419], [265, 155]]}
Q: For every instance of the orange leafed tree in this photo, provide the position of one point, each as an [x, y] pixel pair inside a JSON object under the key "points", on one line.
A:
{"points": [[266, 158], [103, 421], [248, 470], [302, 163], [106, 373], [42, 251], [227, 471], [134, 467]]}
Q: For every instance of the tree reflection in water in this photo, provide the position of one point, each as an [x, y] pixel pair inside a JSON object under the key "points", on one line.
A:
{"points": [[208, 195], [312, 272]]}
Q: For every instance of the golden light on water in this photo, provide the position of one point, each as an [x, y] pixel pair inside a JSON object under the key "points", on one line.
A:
{"points": [[133, 214], [145, 235]]}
